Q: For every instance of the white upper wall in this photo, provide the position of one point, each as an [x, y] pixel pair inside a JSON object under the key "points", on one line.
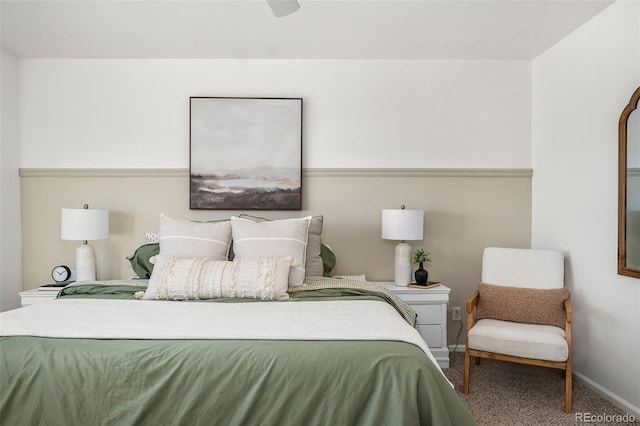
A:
{"points": [[580, 88], [10, 235], [111, 113]]}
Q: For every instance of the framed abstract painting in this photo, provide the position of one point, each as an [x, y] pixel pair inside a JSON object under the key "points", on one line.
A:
{"points": [[245, 153]]}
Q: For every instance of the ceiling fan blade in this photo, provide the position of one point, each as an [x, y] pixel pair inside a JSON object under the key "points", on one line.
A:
{"points": [[282, 8]]}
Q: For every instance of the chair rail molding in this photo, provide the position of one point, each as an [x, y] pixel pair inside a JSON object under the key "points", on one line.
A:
{"points": [[306, 172]]}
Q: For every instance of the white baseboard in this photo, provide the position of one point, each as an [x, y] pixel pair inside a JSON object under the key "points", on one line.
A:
{"points": [[622, 404], [606, 394], [457, 348]]}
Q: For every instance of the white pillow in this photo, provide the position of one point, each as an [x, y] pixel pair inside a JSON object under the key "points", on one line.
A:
{"points": [[184, 238], [177, 278], [313, 261], [273, 238]]}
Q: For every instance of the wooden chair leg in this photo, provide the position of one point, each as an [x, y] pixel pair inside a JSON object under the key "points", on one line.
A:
{"points": [[465, 380], [567, 389], [478, 360]]}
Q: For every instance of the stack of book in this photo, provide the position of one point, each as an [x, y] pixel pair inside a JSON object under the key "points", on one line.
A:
{"points": [[429, 284], [54, 287]]}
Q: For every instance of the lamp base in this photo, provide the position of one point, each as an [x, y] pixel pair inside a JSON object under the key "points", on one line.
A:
{"points": [[85, 263], [403, 264]]}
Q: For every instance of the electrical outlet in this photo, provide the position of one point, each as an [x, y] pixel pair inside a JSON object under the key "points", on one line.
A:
{"points": [[455, 313]]}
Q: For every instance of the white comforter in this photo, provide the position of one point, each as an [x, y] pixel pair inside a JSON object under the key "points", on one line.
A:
{"points": [[146, 319]]}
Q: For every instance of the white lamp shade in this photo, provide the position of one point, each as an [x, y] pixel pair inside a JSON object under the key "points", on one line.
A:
{"points": [[84, 224], [402, 224]]}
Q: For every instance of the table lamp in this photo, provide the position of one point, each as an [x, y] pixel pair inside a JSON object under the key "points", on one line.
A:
{"points": [[85, 225], [402, 224]]}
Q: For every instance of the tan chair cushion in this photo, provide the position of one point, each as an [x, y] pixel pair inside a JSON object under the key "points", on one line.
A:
{"points": [[524, 305], [533, 341]]}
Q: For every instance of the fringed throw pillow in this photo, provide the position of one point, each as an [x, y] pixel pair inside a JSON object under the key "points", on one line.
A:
{"points": [[176, 278]]}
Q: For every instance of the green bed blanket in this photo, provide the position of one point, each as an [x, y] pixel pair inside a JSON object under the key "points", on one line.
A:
{"points": [[221, 382], [316, 288]]}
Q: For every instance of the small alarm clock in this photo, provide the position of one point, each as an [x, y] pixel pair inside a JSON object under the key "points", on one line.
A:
{"points": [[62, 274]]}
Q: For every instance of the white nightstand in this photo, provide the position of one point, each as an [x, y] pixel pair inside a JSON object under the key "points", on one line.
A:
{"points": [[431, 306], [31, 297]]}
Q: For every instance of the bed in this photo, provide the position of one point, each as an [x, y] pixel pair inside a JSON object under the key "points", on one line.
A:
{"points": [[328, 352]]}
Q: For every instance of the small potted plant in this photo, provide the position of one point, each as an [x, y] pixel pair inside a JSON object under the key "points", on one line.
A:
{"points": [[420, 257]]}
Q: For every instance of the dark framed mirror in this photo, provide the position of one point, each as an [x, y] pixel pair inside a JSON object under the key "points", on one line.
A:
{"points": [[629, 189]]}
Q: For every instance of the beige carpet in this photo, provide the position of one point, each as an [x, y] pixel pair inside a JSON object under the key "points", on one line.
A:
{"points": [[503, 393]]}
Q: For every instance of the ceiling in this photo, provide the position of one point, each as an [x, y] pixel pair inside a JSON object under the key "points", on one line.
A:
{"points": [[320, 29]]}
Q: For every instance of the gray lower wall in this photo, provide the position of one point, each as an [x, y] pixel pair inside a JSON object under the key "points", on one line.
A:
{"points": [[465, 211]]}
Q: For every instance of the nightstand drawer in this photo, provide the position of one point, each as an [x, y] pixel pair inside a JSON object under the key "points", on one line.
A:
{"points": [[431, 306], [432, 334], [428, 314]]}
